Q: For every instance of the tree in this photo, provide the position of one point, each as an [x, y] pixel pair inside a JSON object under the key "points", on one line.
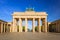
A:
{"points": [[36, 28], [23, 28], [18, 28], [29, 30]]}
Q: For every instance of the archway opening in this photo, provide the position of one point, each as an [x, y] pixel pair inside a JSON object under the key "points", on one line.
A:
{"points": [[23, 26], [29, 26], [36, 26]]}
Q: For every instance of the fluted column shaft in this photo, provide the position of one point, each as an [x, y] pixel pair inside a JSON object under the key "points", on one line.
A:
{"points": [[45, 24], [39, 27], [1, 27], [20, 25], [26, 25], [4, 27], [33, 25], [10, 28], [14, 25]]}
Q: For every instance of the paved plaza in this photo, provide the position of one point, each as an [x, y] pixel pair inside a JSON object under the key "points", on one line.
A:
{"points": [[29, 36]]}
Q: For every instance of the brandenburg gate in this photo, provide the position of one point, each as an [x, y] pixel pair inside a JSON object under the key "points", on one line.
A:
{"points": [[29, 14]]}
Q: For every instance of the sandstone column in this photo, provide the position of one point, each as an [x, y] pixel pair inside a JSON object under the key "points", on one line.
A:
{"points": [[1, 27], [45, 24], [14, 25], [33, 25], [4, 27], [10, 28], [39, 27], [20, 25], [26, 25]]}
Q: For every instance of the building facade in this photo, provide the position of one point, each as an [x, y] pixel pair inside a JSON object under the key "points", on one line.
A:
{"points": [[3, 26], [54, 26], [29, 14]]}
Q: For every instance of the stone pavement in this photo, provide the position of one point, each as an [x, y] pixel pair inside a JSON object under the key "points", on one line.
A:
{"points": [[30, 36]]}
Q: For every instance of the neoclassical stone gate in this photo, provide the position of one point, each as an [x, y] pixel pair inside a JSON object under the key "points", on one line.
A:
{"points": [[29, 15]]}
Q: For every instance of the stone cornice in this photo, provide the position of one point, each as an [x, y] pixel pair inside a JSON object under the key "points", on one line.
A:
{"points": [[32, 13]]}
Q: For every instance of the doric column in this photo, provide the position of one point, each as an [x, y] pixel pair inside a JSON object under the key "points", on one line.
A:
{"points": [[45, 24], [11, 27], [48, 26], [33, 25], [20, 25], [26, 25], [14, 25], [39, 27], [56, 26], [4, 27], [1, 27], [8, 28]]}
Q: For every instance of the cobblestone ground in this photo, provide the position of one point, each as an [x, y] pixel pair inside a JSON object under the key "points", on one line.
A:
{"points": [[30, 36]]}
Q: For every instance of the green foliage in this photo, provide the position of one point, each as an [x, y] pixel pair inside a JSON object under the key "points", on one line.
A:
{"points": [[29, 30], [36, 28], [18, 28], [23, 28]]}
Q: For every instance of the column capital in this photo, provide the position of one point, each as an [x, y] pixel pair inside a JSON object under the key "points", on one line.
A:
{"points": [[25, 18], [20, 18], [39, 18], [33, 18]]}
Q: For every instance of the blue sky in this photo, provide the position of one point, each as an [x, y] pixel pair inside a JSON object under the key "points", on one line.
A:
{"points": [[7, 7]]}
